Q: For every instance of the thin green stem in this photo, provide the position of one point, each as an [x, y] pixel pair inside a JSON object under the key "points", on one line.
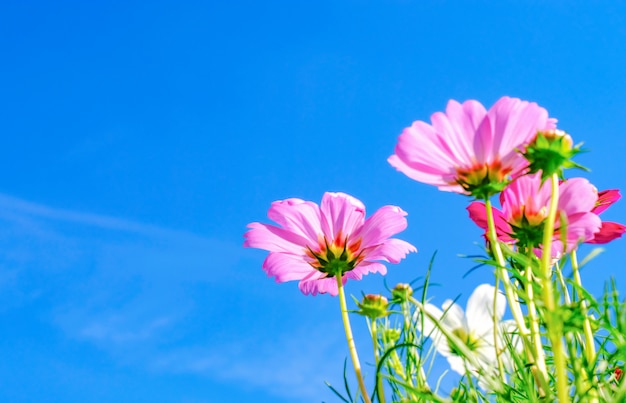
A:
{"points": [[554, 324], [590, 348], [496, 330], [501, 273], [559, 274], [379, 385], [409, 337], [535, 333], [350, 339]]}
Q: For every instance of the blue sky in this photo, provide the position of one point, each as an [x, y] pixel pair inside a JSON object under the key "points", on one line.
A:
{"points": [[139, 139]]}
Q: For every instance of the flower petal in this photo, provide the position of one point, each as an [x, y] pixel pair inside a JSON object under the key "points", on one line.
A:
{"points": [[525, 193], [286, 267], [366, 268], [392, 250], [385, 222], [515, 123], [320, 285], [608, 232], [429, 329], [478, 214], [457, 126], [298, 216], [419, 155], [341, 215], [581, 227], [480, 309], [577, 195], [605, 199], [457, 364], [273, 239], [453, 316]]}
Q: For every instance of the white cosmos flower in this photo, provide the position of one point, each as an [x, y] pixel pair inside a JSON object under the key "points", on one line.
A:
{"points": [[475, 328]]}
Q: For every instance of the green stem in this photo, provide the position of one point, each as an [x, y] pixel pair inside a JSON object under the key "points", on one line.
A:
{"points": [[496, 329], [516, 310], [350, 339], [379, 385], [562, 283], [553, 321], [590, 349], [535, 333], [409, 337]]}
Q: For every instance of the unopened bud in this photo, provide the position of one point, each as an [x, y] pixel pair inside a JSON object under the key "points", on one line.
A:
{"points": [[391, 336], [550, 152], [401, 293], [373, 306]]}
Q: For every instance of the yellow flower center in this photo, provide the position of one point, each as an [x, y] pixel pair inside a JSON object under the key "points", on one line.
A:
{"points": [[483, 180], [337, 257]]}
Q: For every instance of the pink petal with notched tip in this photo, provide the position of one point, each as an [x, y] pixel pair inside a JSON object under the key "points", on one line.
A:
{"points": [[341, 214], [366, 268], [525, 191], [392, 251], [275, 239], [515, 123], [581, 227], [286, 267], [298, 216], [576, 195], [456, 125], [605, 199], [608, 232], [386, 222], [320, 285], [419, 155]]}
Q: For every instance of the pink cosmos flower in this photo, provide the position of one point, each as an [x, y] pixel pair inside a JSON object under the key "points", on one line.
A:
{"points": [[314, 243], [468, 149], [525, 204], [609, 230]]}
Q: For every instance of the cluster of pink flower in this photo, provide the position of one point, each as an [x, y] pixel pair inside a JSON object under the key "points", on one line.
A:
{"points": [[468, 150]]}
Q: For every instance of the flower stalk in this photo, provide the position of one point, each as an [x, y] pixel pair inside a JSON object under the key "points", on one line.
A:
{"points": [[503, 274], [380, 391], [554, 323], [540, 359], [540, 373], [350, 339], [590, 350]]}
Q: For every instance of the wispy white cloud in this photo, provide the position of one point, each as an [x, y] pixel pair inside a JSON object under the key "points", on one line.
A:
{"points": [[292, 365], [108, 280], [115, 329], [20, 208], [159, 299]]}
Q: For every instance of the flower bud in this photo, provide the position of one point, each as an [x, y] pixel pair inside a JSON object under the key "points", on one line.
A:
{"points": [[618, 373], [373, 306], [550, 152], [391, 335], [401, 293]]}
